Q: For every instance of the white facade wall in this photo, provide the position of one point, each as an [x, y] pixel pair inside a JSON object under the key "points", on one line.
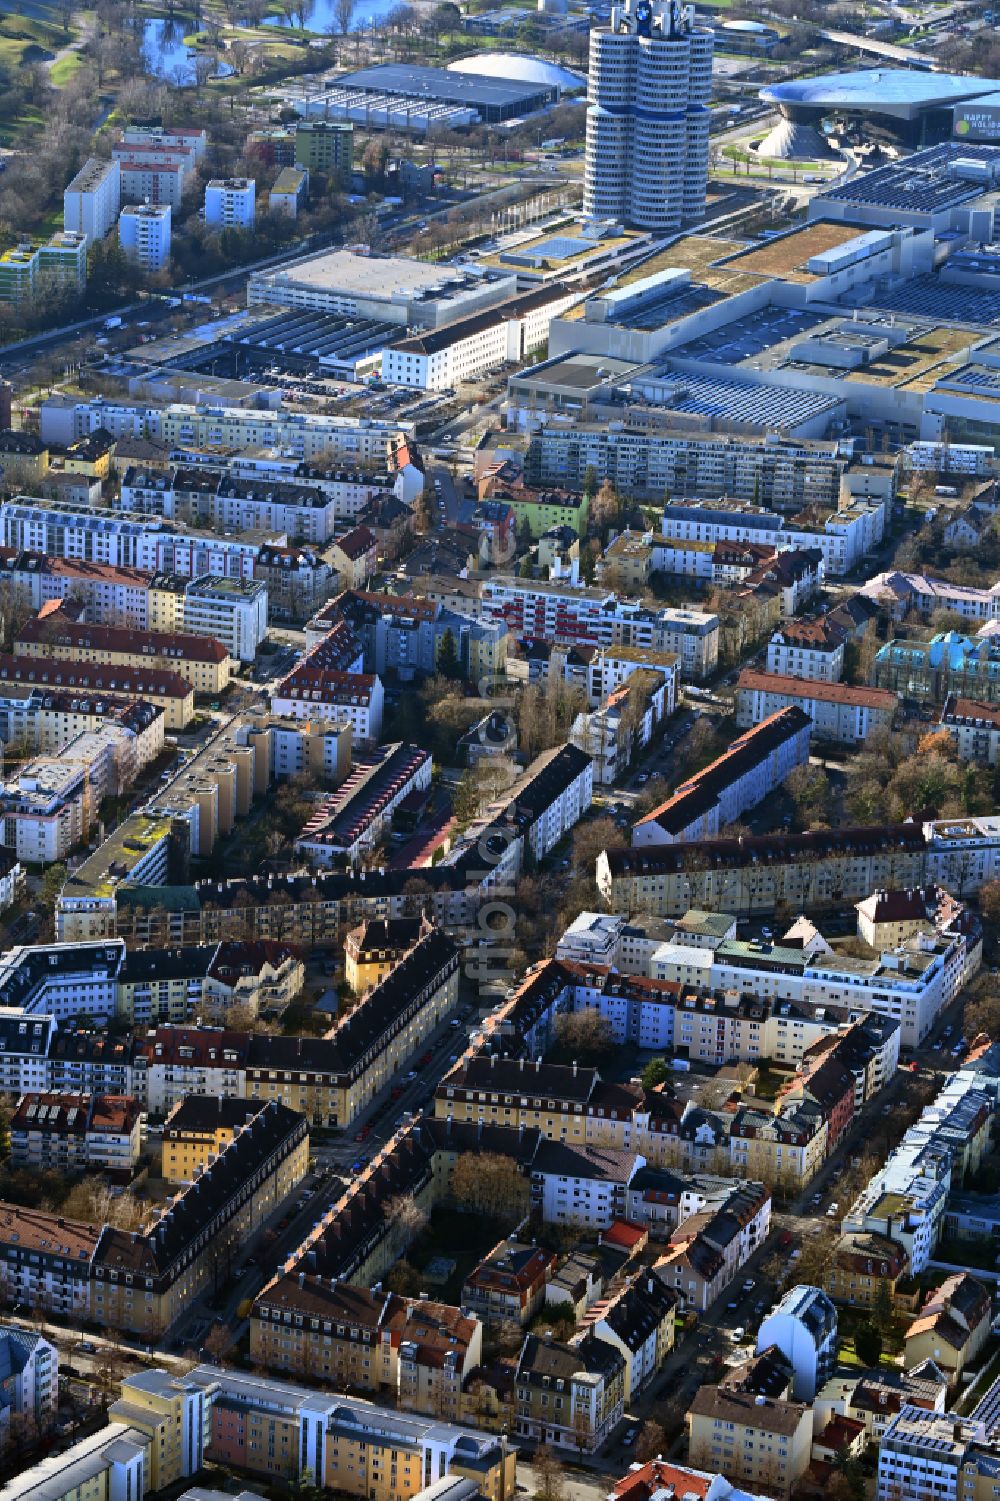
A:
{"points": [[92, 200], [813, 666], [231, 203], [144, 181], [144, 234], [363, 710], [238, 620], [849, 723]]}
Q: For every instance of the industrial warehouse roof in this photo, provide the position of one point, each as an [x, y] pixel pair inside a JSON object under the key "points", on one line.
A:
{"points": [[885, 91], [446, 86]]}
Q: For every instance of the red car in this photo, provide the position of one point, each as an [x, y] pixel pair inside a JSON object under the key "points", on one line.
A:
{"points": [[427, 1058]]}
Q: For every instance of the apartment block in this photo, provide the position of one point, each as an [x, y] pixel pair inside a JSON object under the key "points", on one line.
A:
{"points": [[739, 779], [203, 661], [949, 663], [305, 436], [272, 1428], [52, 804], [810, 649], [974, 725], [47, 1261], [92, 200], [234, 611], [837, 711], [643, 459], [230, 203], [569, 1396], [924, 1453], [30, 1385], [200, 1128], [144, 234], [325, 146], [845, 536], [72, 1133], [508, 1284], [557, 611], [355, 817], [749, 1437], [143, 1281]]}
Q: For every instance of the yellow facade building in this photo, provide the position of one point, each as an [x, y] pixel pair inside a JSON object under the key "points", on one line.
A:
{"points": [[201, 661], [199, 1129]]}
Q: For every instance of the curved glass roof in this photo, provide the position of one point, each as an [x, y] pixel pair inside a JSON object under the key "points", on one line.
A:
{"points": [[879, 89]]}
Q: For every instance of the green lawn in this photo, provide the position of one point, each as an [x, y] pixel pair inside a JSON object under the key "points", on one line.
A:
{"points": [[62, 71]]}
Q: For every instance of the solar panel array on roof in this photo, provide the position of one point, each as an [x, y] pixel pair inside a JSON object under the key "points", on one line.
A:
{"points": [[929, 295], [921, 182], [731, 401]]}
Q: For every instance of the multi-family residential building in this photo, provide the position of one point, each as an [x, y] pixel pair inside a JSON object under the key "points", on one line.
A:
{"points": [[232, 610], [581, 1185], [818, 869], [949, 663], [876, 1397], [572, 613], [844, 537], [303, 435], [740, 778], [47, 1261], [325, 146], [861, 1265], [974, 725], [144, 234], [837, 711], [658, 1477], [508, 1284], [751, 1438], [92, 200], [638, 1321], [930, 1453], [900, 592], [612, 734], [289, 191], [199, 1129], [406, 635], [143, 1281], [133, 540], [951, 1327], [54, 635], [282, 1432], [53, 802], [569, 1396], [803, 1326], [351, 820], [372, 948], [72, 1133], [810, 649], [299, 580], [319, 693], [643, 459], [230, 202], [30, 1384], [109, 594], [415, 1352]]}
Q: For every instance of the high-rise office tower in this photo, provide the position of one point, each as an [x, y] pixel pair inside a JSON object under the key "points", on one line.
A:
{"points": [[647, 116]]}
